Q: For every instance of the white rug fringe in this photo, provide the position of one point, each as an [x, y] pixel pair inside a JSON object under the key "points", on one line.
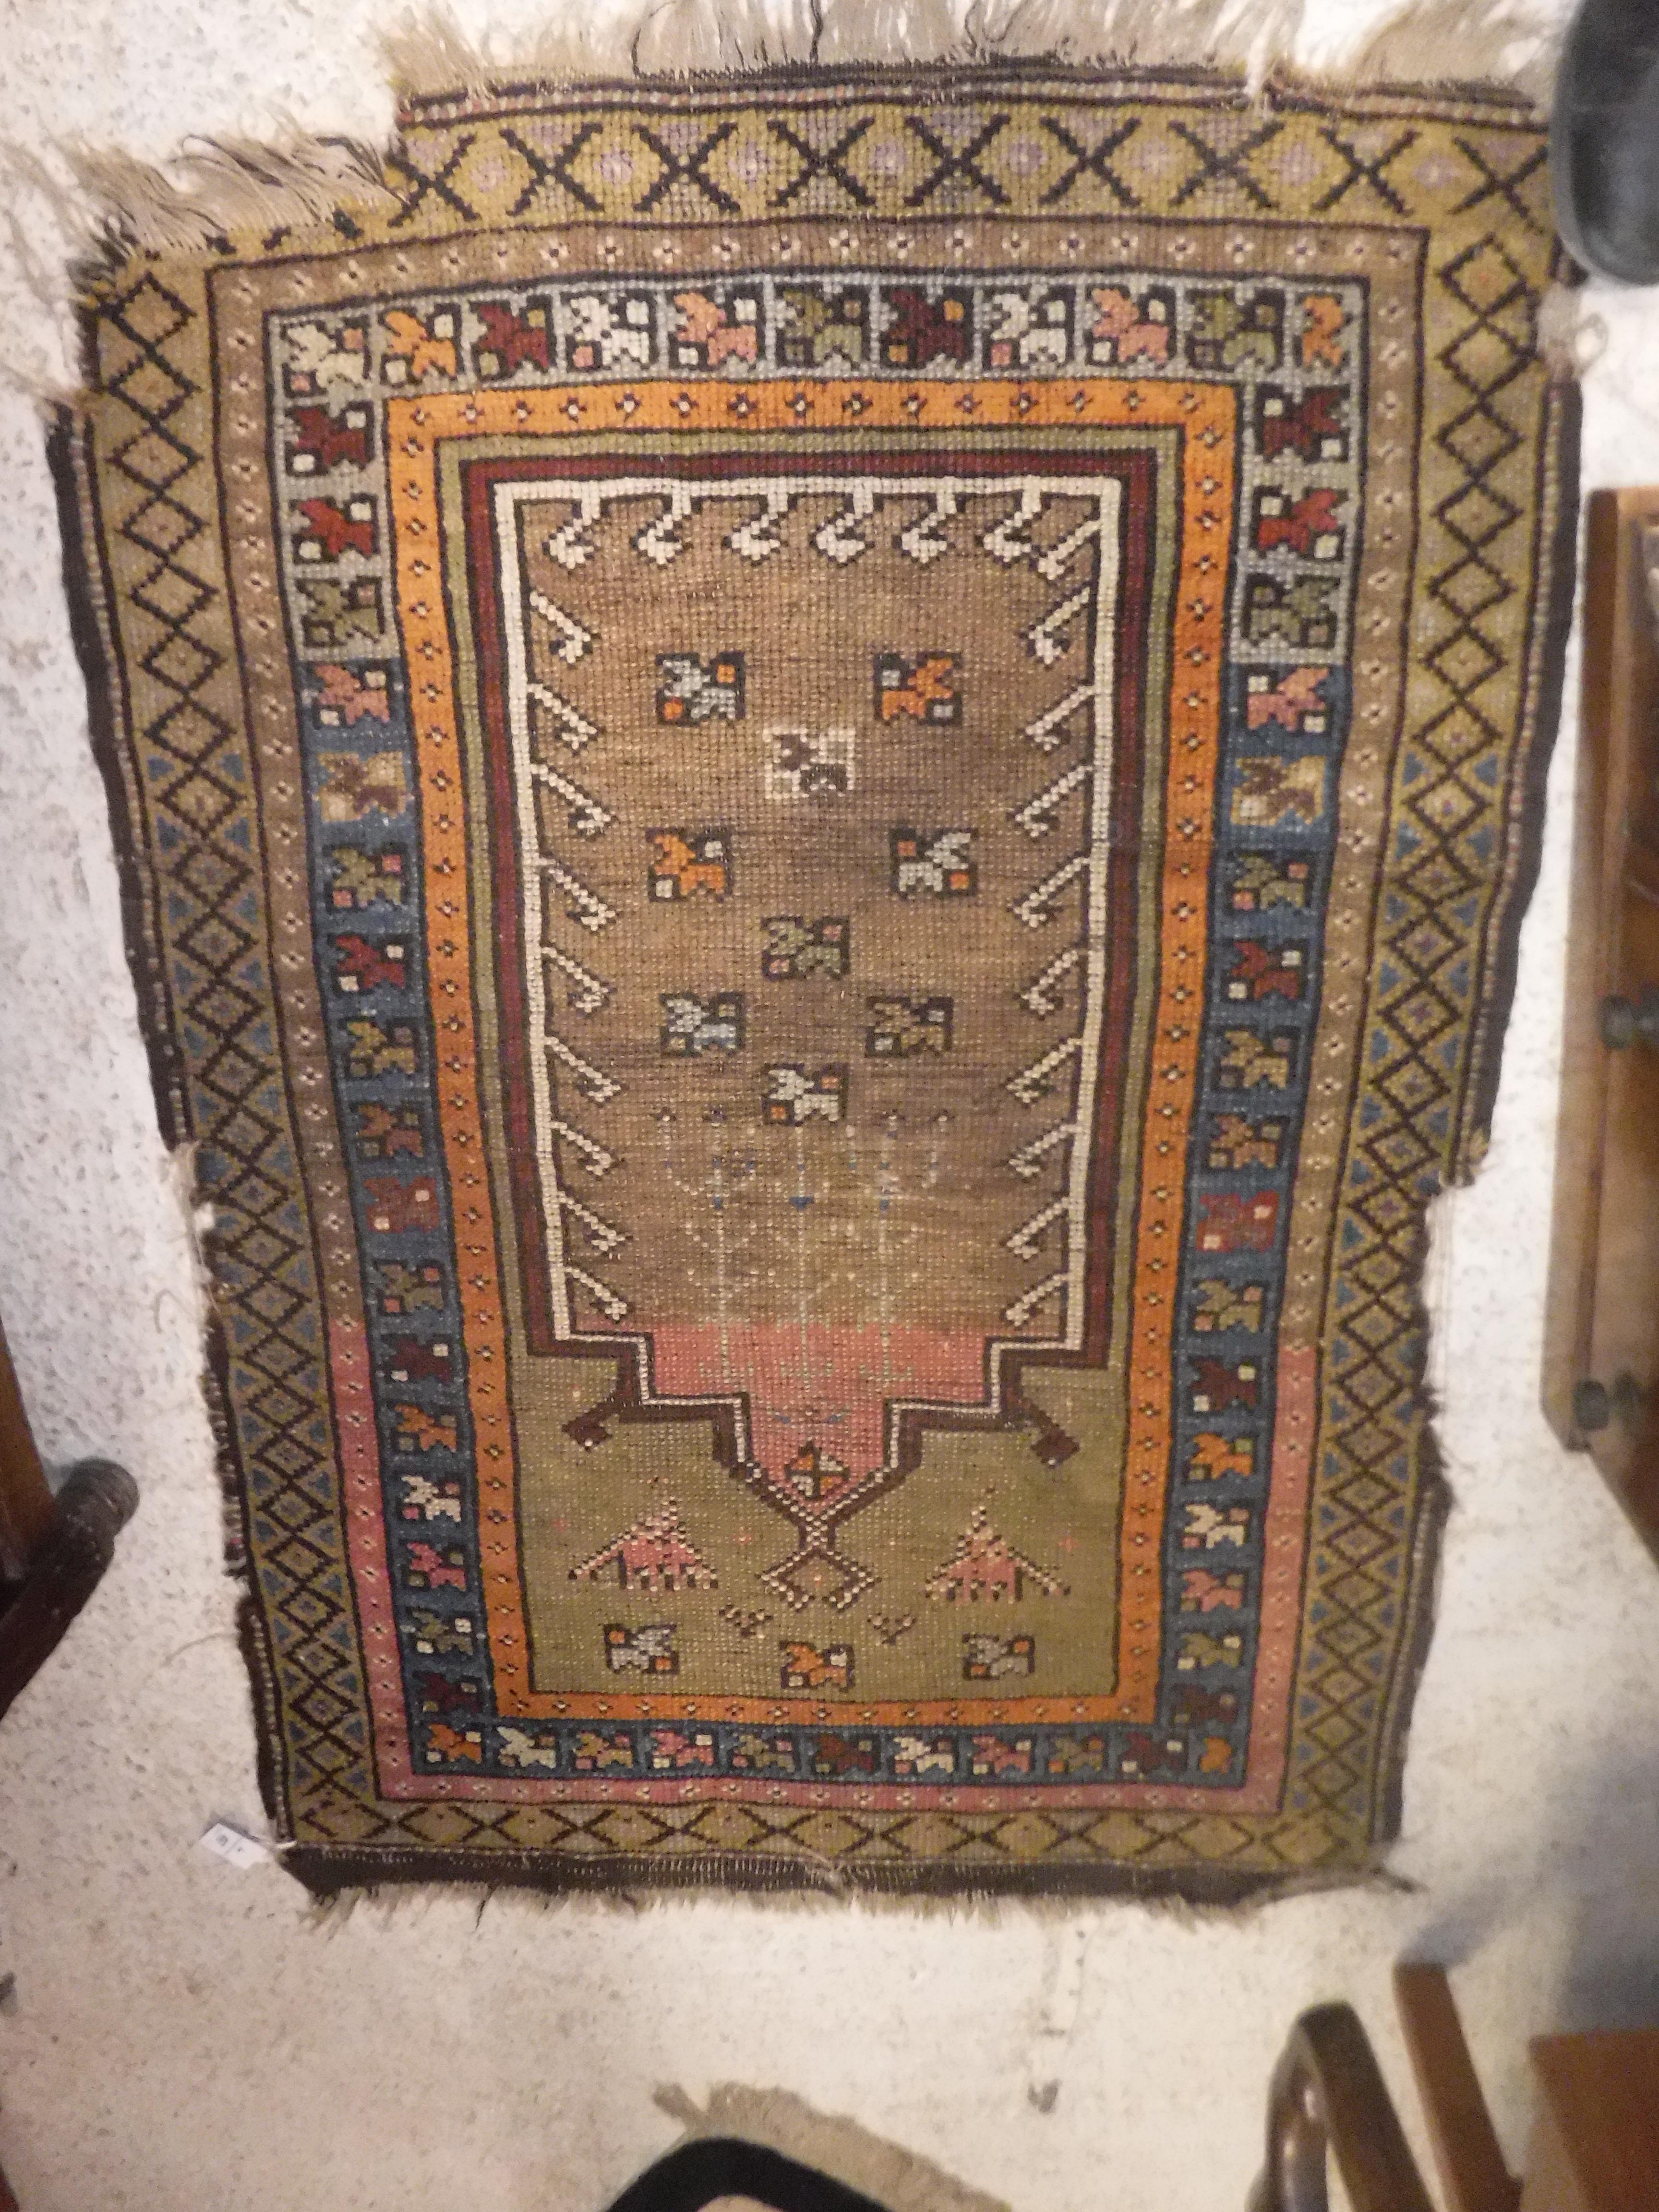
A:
{"points": [[213, 187], [428, 52], [688, 38], [1504, 42], [855, 31], [1426, 42]]}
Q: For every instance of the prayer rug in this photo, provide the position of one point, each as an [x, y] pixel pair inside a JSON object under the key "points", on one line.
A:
{"points": [[825, 783]]}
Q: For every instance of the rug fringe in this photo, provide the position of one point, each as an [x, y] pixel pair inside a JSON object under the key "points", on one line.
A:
{"points": [[1251, 34], [691, 38], [428, 53], [213, 187], [856, 31], [1423, 42], [340, 1880], [1470, 42]]}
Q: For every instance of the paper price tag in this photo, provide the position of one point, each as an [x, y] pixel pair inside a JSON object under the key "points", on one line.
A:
{"points": [[228, 1842]]}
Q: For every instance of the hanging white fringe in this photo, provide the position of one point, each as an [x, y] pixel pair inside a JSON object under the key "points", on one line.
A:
{"points": [[429, 53], [855, 31], [1183, 34], [687, 38], [1424, 42], [217, 187], [1507, 41], [213, 187]]}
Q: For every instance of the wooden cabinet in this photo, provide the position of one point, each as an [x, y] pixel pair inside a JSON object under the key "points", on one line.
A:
{"points": [[1601, 1340], [1596, 2139]]}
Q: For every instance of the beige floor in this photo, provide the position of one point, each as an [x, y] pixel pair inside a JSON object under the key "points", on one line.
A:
{"points": [[186, 2037]]}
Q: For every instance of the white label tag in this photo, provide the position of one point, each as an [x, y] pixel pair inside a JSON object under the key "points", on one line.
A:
{"points": [[227, 1843]]}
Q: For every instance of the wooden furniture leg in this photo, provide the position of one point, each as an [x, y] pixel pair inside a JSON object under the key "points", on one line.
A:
{"points": [[1327, 2094], [1601, 1372], [25, 1500], [1595, 2133], [1466, 2154], [53, 1551]]}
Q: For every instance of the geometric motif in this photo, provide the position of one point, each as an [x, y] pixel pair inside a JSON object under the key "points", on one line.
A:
{"points": [[902, 1027], [653, 1555], [1272, 792], [820, 328], [346, 696], [1224, 1304], [806, 1668], [365, 877], [795, 1095], [996, 1658], [791, 948], [353, 786], [1029, 329], [1260, 882], [691, 690], [331, 530], [1125, 328], [645, 1650], [567, 1274], [1228, 330], [687, 862], [923, 327], [710, 330], [985, 1565], [809, 763], [936, 860], [693, 1025], [1237, 1221], [1309, 525], [924, 687]]}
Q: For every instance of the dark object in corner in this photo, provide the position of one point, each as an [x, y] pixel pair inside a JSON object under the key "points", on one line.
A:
{"points": [[700, 2174], [97, 1500], [53, 1551], [1604, 139]]}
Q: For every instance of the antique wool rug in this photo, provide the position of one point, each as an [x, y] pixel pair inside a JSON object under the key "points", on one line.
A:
{"points": [[825, 782]]}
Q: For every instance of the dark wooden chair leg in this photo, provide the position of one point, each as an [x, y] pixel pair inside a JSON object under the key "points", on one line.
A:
{"points": [[1328, 2095], [97, 1500], [25, 1500], [1473, 2175]]}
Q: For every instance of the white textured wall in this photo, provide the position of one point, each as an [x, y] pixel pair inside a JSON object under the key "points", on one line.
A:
{"points": [[186, 2038]]}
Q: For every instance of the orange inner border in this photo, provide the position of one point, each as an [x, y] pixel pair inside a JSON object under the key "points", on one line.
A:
{"points": [[1208, 415]]}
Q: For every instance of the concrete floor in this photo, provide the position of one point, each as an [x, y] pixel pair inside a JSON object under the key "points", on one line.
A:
{"points": [[185, 2037]]}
